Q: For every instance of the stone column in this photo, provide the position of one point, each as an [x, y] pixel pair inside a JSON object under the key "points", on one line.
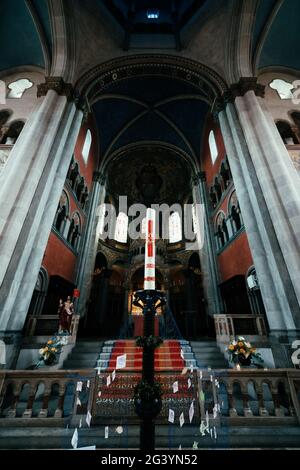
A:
{"points": [[30, 185], [208, 252], [251, 183], [90, 242]]}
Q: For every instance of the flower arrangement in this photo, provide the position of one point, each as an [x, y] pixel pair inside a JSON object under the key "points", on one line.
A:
{"points": [[51, 351], [149, 341], [146, 392], [242, 351]]}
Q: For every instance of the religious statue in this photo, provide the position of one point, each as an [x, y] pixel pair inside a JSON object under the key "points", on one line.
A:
{"points": [[65, 312]]}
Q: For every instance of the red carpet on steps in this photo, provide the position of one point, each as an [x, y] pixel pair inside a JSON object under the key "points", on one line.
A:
{"points": [[167, 356]]}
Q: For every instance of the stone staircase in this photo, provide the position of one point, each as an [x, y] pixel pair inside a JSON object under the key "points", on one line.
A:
{"points": [[84, 354], [208, 355]]}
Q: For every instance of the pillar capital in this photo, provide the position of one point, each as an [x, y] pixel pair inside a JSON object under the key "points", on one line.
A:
{"points": [[57, 84], [99, 177], [247, 84]]}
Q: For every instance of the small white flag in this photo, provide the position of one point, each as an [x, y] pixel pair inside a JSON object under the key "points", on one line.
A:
{"points": [[211, 378], [80, 423], [189, 383], [99, 394], [74, 440], [182, 354], [108, 381], [88, 384], [121, 361], [175, 387], [171, 417], [88, 418], [113, 375], [119, 429], [207, 419], [203, 428], [79, 387], [106, 432], [215, 432], [191, 412], [181, 420]]}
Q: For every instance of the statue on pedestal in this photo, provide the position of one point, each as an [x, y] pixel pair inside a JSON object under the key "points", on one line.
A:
{"points": [[65, 312]]}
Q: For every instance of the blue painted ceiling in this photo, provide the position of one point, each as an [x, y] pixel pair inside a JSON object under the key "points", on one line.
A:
{"points": [[282, 45], [19, 40], [161, 110]]}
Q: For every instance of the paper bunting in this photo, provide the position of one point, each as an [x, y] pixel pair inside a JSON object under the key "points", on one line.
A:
{"points": [[80, 423], [108, 381], [88, 418], [171, 416], [119, 429], [121, 361], [189, 383], [79, 387], [113, 375], [175, 387], [191, 412], [74, 440], [181, 420], [99, 394]]}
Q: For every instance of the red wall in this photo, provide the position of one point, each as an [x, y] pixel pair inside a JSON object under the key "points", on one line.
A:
{"points": [[58, 258], [236, 258]]}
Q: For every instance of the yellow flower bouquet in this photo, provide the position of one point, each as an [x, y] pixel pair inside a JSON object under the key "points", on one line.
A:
{"points": [[241, 351]]}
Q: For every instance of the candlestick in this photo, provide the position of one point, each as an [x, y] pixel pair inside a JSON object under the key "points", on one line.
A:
{"points": [[149, 279]]}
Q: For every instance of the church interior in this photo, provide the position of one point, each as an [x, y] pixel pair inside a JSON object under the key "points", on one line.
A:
{"points": [[177, 104]]}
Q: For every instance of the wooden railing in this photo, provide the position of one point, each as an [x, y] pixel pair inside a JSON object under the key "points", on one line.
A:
{"points": [[231, 325], [41, 395], [249, 397]]}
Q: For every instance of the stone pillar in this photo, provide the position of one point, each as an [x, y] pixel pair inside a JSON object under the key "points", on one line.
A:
{"points": [[208, 252], [251, 181], [43, 152], [90, 243]]}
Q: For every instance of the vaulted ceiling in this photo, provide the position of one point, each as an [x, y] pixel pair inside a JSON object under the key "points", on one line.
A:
{"points": [[276, 34], [151, 109], [24, 26]]}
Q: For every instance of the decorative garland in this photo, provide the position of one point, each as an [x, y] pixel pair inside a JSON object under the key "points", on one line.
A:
{"points": [[146, 392], [149, 341]]}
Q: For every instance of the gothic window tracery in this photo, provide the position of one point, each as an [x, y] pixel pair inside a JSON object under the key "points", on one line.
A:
{"points": [[175, 228], [121, 228], [62, 213], [87, 146], [18, 88], [213, 146], [286, 132], [12, 132]]}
